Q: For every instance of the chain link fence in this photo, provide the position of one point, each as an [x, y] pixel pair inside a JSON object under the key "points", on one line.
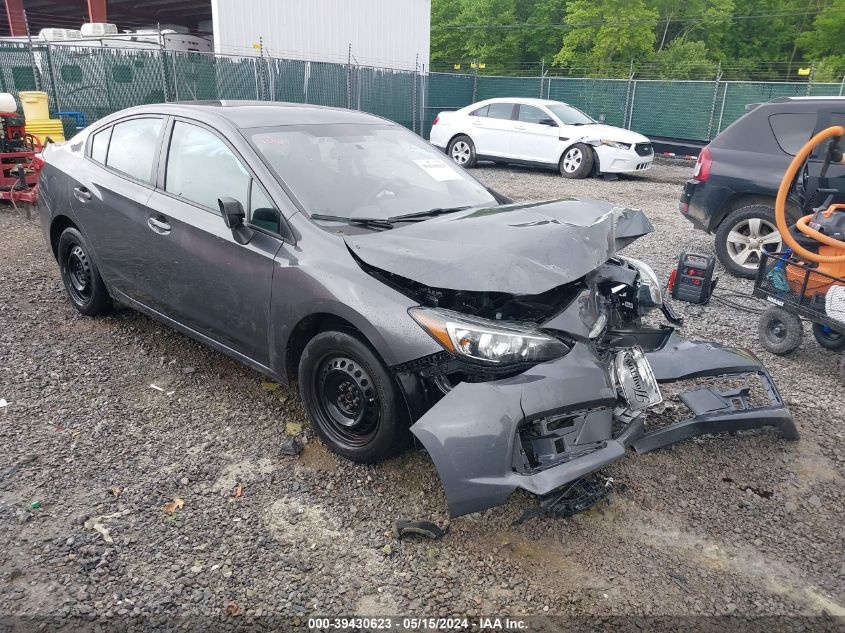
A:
{"points": [[96, 81]]}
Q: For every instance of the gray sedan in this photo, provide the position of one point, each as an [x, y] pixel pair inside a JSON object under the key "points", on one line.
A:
{"points": [[341, 251]]}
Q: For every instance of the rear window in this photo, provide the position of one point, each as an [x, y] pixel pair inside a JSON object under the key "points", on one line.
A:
{"points": [[500, 111], [792, 129], [133, 146], [100, 145]]}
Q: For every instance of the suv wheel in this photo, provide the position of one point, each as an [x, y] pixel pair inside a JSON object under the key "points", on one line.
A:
{"points": [[352, 401], [744, 236]]}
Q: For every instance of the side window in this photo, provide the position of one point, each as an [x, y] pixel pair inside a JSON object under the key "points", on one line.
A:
{"points": [[100, 145], [530, 114], [201, 168], [500, 111], [262, 212], [481, 111], [133, 146], [792, 130]]}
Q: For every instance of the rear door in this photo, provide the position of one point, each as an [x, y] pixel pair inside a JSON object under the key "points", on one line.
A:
{"points": [[110, 195], [490, 129], [205, 278], [532, 141]]}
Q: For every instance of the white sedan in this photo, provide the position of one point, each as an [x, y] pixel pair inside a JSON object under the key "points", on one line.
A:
{"points": [[539, 132]]}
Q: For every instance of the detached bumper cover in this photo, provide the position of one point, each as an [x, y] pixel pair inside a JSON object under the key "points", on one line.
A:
{"points": [[561, 420]]}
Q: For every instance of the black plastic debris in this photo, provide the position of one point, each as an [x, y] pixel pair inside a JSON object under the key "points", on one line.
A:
{"points": [[427, 529], [291, 447], [577, 496]]}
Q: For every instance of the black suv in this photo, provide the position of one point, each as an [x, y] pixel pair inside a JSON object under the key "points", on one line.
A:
{"points": [[732, 191]]}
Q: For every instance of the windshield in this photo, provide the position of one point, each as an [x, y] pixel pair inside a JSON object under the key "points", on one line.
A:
{"points": [[374, 171], [569, 115]]}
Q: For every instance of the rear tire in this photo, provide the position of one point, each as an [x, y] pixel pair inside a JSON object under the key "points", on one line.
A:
{"points": [[743, 236], [780, 331], [83, 284], [351, 399], [577, 161], [832, 340], [461, 149]]}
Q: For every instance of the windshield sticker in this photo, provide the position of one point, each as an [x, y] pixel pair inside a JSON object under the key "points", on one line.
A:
{"points": [[437, 169]]}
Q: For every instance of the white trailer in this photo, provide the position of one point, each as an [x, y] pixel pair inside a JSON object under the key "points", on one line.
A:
{"points": [[386, 33]]}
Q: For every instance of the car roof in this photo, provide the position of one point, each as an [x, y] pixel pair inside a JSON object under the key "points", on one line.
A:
{"points": [[523, 100], [249, 114]]}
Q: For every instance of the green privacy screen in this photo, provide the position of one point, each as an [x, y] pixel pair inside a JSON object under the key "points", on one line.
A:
{"points": [[98, 81]]}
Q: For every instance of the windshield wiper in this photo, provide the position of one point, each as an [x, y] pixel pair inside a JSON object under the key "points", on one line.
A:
{"points": [[373, 222], [424, 215]]}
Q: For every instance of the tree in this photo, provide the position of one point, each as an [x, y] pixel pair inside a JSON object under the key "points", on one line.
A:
{"points": [[684, 60], [604, 35]]}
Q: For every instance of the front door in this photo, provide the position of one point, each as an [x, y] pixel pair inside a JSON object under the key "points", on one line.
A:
{"points": [[533, 141], [206, 279]]}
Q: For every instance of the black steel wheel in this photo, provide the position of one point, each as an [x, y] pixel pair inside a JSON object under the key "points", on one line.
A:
{"points": [[84, 286], [351, 399], [780, 331], [828, 338]]}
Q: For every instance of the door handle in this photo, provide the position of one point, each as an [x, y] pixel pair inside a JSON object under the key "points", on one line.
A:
{"points": [[82, 194], [160, 226], [476, 122], [520, 127]]}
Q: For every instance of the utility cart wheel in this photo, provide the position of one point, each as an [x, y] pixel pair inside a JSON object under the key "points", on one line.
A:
{"points": [[780, 331], [828, 338]]}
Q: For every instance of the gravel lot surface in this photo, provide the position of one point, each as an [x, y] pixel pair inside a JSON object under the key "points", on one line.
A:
{"points": [[747, 524]]}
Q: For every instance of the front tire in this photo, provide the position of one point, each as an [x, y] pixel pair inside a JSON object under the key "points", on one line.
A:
{"points": [[353, 403], [780, 331], [744, 236], [461, 149], [829, 339], [576, 162], [82, 280]]}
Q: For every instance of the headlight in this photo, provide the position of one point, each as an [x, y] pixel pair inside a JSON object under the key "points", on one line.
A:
{"points": [[651, 293], [616, 144], [487, 341]]}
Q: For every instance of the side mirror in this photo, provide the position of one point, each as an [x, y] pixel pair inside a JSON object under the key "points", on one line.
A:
{"points": [[232, 212], [549, 122]]}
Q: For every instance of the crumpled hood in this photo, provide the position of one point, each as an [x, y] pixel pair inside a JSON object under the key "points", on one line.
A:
{"points": [[521, 249]]}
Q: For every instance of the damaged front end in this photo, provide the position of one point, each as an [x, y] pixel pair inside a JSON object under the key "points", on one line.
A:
{"points": [[537, 390]]}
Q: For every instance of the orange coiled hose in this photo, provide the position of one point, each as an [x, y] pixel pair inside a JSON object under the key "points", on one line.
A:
{"points": [[780, 205]]}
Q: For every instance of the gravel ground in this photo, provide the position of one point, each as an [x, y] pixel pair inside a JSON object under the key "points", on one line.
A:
{"points": [[748, 524]]}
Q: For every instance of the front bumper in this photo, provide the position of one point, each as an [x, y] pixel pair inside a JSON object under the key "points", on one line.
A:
{"points": [[617, 161], [561, 420]]}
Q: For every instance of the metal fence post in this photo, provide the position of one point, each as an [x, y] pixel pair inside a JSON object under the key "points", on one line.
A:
{"points": [[542, 75], [36, 76], [631, 108], [810, 78], [722, 111], [162, 68], [841, 85], [414, 95], [713, 102], [423, 84], [475, 80], [349, 77], [52, 70], [628, 94]]}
